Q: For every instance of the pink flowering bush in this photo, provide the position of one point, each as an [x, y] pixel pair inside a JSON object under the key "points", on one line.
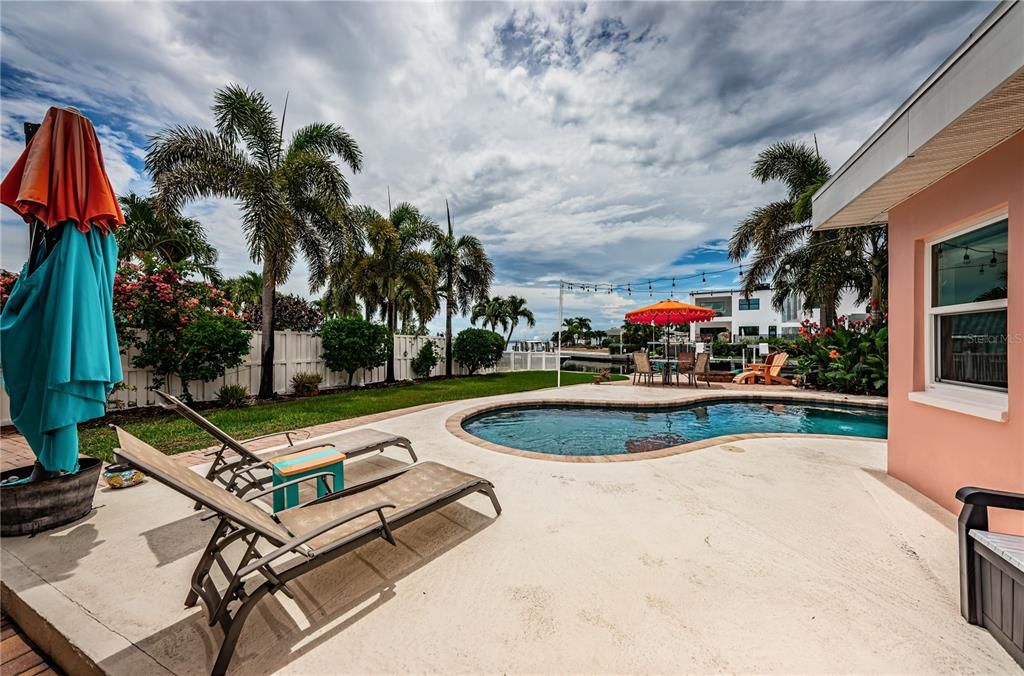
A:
{"points": [[177, 325], [7, 280], [852, 357]]}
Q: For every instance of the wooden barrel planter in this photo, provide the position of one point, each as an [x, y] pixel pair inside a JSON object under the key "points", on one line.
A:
{"points": [[42, 505]]}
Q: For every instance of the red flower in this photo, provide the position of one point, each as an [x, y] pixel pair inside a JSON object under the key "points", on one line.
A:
{"points": [[828, 330], [834, 354]]}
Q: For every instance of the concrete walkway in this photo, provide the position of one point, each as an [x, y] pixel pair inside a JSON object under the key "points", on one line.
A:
{"points": [[762, 555]]}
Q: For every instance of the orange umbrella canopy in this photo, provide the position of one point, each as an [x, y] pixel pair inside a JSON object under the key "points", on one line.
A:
{"points": [[670, 312], [60, 176]]}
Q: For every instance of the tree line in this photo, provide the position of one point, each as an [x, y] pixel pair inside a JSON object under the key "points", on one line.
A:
{"points": [[295, 204]]}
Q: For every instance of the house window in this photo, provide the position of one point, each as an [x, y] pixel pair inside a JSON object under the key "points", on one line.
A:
{"points": [[773, 331], [791, 308], [719, 306], [967, 308], [750, 303], [750, 330]]}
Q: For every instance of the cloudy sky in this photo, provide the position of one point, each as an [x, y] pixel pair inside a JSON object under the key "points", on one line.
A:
{"points": [[594, 142]]}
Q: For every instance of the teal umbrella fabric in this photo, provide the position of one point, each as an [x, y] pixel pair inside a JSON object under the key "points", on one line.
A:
{"points": [[60, 355]]}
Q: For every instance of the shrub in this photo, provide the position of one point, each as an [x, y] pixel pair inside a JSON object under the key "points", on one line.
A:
{"points": [[179, 327], [350, 344], [7, 280], [291, 313], [477, 349], [425, 360], [306, 384], [852, 357], [232, 395]]}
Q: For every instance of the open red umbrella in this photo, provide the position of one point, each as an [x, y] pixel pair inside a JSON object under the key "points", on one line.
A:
{"points": [[669, 312]]}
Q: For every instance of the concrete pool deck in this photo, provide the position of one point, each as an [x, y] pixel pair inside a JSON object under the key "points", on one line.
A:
{"points": [[754, 555]]}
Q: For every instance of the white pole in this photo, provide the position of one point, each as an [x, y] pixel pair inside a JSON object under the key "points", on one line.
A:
{"points": [[558, 351]]}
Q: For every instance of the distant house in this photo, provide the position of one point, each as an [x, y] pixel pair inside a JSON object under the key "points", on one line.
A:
{"points": [[753, 317], [946, 172]]}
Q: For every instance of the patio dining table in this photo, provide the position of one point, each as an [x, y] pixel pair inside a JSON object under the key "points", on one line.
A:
{"points": [[666, 371]]}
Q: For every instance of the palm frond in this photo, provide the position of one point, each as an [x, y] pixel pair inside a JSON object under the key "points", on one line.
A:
{"points": [[325, 139], [245, 114]]}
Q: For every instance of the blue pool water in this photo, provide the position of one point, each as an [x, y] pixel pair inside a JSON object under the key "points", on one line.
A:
{"points": [[564, 430]]}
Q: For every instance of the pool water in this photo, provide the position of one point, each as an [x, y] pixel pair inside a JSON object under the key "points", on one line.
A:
{"points": [[578, 430]]}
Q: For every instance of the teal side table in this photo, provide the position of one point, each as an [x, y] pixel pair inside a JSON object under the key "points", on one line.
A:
{"points": [[304, 463]]}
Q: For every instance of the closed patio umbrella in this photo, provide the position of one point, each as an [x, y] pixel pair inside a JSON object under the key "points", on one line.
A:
{"points": [[58, 344]]}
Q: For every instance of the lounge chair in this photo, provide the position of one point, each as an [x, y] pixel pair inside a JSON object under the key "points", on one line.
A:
{"points": [[992, 569], [767, 372], [317, 531], [239, 474], [642, 367]]}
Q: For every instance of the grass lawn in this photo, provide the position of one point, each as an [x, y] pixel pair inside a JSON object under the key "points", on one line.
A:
{"points": [[173, 434]]}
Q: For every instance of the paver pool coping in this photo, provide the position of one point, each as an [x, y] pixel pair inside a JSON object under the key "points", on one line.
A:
{"points": [[454, 423]]}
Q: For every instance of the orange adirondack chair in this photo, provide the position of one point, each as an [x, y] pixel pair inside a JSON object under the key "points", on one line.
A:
{"points": [[767, 372]]}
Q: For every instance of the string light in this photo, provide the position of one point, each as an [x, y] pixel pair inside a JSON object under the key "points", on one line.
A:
{"points": [[650, 292], [703, 279], [992, 261], [967, 256], [629, 291], [981, 270]]}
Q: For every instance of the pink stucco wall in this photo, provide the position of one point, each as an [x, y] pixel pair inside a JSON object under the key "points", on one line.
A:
{"points": [[935, 450]]}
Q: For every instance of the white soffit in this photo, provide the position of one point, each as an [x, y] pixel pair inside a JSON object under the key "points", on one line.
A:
{"points": [[971, 103]]}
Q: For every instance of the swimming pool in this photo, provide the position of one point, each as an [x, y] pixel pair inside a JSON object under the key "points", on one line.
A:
{"points": [[583, 430]]}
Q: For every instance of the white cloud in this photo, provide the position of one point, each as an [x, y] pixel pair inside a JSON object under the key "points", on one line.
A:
{"points": [[598, 141]]}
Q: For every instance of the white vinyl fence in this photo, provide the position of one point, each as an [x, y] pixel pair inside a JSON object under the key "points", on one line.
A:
{"points": [[528, 361], [296, 352]]}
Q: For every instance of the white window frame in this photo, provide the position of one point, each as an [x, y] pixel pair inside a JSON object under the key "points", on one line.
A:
{"points": [[980, 400]]}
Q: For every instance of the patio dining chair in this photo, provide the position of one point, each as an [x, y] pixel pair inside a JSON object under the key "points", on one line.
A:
{"points": [[317, 531], [700, 367], [239, 474], [684, 364], [642, 368]]}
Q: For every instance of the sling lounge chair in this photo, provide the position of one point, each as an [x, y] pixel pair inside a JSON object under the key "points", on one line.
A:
{"points": [[642, 367], [238, 474], [299, 539]]}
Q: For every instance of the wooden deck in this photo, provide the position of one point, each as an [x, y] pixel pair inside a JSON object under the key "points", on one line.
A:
{"points": [[18, 656]]}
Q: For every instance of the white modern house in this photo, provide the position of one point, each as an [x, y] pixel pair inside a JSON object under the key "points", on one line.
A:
{"points": [[753, 317]]}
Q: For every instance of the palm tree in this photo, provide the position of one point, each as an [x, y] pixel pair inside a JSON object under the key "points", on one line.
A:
{"points": [[515, 309], [464, 274], [245, 290], [575, 326], [169, 239], [491, 312], [347, 247], [775, 231], [397, 271], [291, 196], [833, 261]]}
